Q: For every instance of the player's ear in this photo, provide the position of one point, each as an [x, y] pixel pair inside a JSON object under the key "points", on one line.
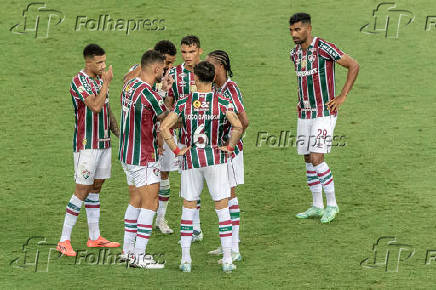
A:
{"points": [[200, 50]]}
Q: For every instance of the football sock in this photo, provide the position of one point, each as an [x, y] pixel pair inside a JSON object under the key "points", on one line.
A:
{"points": [[235, 216], [225, 231], [130, 221], [196, 220], [72, 211], [186, 230], [326, 178], [164, 196], [314, 185], [92, 206], [144, 227]]}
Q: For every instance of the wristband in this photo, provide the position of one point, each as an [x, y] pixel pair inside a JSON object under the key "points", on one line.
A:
{"points": [[176, 151], [231, 149]]}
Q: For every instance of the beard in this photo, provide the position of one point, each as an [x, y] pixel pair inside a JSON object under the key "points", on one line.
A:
{"points": [[299, 41]]}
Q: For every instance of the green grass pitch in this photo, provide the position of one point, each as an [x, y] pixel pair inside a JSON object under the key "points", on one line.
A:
{"points": [[384, 175]]}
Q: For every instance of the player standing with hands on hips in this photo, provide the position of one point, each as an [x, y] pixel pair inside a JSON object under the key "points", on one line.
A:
{"points": [[314, 60]]}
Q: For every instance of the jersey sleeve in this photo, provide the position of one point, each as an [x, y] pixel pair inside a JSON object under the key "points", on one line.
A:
{"points": [[329, 51], [155, 101], [236, 98], [81, 87], [179, 107]]}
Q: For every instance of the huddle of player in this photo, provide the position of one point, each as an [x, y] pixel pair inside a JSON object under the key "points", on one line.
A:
{"points": [[200, 101]]}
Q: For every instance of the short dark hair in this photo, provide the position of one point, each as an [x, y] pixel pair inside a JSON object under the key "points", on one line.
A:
{"points": [[151, 56], [223, 58], [297, 17], [190, 40], [166, 47], [92, 50], [205, 71]]}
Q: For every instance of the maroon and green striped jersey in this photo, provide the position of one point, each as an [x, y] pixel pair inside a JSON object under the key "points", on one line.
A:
{"points": [[231, 91], [204, 123], [139, 123], [183, 84], [91, 129], [315, 69]]}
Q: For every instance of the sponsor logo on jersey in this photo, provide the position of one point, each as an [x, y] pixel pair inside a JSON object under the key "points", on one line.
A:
{"points": [[81, 89], [201, 106], [307, 73], [84, 142]]}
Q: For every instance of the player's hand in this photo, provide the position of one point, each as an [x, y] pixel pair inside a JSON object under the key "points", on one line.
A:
{"points": [[167, 81], [160, 150], [107, 75], [183, 151], [334, 104], [225, 149]]}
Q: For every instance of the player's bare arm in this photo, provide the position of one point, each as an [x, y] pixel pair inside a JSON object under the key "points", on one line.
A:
{"points": [[132, 74], [113, 123], [236, 133], [353, 70], [242, 116], [165, 126], [96, 103]]}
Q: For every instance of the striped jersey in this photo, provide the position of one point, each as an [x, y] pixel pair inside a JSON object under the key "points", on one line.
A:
{"points": [[204, 123], [231, 91], [138, 123], [315, 69], [183, 84], [91, 130]]}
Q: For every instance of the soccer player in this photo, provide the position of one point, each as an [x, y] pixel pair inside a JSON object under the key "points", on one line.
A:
{"points": [[183, 85], [91, 145], [235, 165], [142, 107], [314, 60], [204, 115], [168, 161]]}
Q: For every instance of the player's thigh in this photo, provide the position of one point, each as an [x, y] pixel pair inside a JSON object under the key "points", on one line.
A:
{"points": [[235, 169], [217, 180], [191, 184], [304, 127], [104, 163], [322, 132], [85, 164]]}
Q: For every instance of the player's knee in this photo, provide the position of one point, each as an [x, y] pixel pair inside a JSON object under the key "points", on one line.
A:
{"points": [[223, 203], [98, 183], [233, 192], [164, 175], [317, 158], [189, 204]]}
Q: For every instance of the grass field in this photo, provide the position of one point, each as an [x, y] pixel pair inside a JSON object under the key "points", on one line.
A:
{"points": [[384, 175]]}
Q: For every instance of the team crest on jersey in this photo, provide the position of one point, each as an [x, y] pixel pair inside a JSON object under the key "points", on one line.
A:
{"points": [[86, 173], [312, 58], [201, 106]]}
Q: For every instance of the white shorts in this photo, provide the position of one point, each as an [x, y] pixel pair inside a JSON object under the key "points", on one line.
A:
{"points": [[90, 164], [142, 175], [169, 161], [315, 135], [216, 177], [235, 169]]}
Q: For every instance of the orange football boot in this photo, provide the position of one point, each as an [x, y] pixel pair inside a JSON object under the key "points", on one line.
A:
{"points": [[102, 243], [66, 249]]}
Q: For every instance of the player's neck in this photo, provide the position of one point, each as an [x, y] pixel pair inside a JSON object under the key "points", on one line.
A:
{"points": [[203, 87], [220, 80], [307, 43], [89, 72], [148, 78]]}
